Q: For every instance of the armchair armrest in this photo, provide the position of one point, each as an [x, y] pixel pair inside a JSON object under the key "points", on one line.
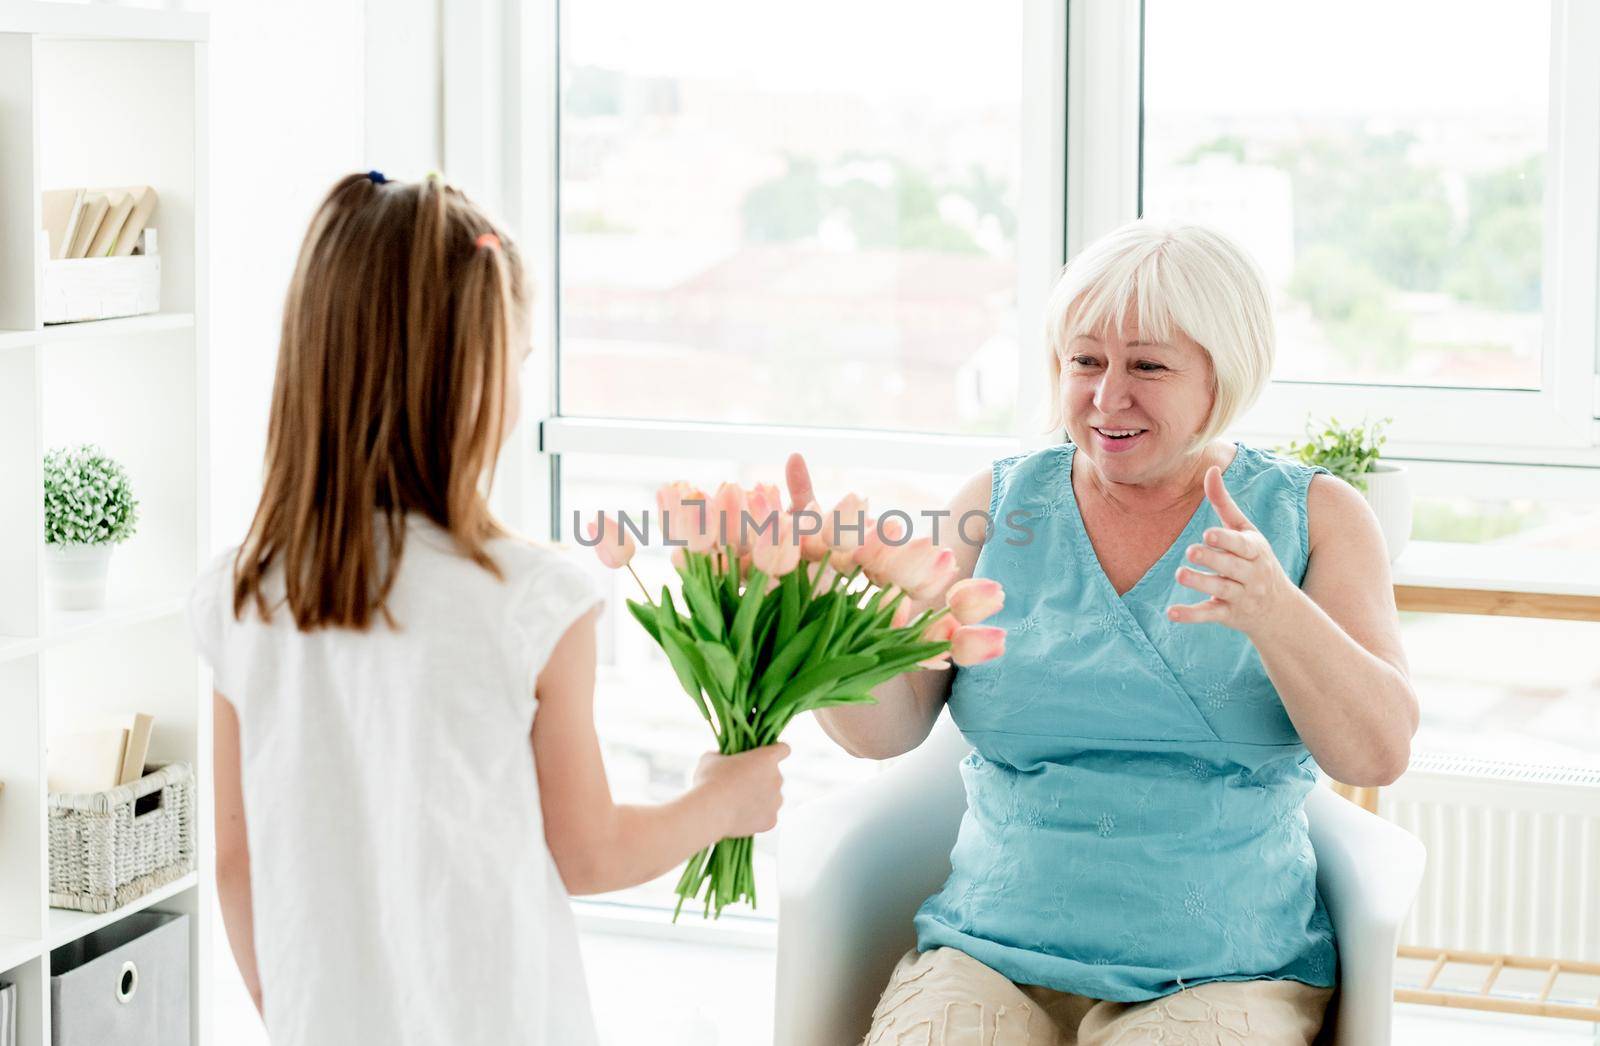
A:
{"points": [[1368, 873], [853, 869]]}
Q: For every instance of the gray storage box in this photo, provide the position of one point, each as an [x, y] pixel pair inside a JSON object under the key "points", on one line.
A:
{"points": [[126, 985]]}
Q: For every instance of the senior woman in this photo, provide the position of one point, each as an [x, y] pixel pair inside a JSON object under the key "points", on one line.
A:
{"points": [[1194, 626]]}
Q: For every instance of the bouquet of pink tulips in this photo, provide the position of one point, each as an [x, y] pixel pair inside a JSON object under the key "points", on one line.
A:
{"points": [[775, 617]]}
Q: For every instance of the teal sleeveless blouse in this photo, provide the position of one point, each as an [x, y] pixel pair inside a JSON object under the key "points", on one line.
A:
{"points": [[1135, 817]]}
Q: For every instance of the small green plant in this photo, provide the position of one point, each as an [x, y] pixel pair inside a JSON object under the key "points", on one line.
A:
{"points": [[1347, 451], [87, 498]]}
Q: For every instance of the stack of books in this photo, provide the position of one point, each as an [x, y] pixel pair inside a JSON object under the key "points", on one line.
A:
{"points": [[101, 758], [97, 223]]}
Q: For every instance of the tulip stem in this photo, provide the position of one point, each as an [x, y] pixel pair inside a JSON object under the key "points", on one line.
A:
{"points": [[640, 583]]}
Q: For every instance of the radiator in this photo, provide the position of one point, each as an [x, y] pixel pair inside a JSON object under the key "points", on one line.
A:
{"points": [[1513, 856]]}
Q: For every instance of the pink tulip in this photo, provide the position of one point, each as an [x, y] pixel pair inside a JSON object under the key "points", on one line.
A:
{"points": [[975, 644], [911, 565], [902, 615], [813, 547], [777, 558], [975, 599], [679, 560], [846, 525], [670, 494], [762, 500], [938, 578], [727, 515], [845, 529], [764, 509], [874, 552], [941, 630], [686, 522], [614, 545]]}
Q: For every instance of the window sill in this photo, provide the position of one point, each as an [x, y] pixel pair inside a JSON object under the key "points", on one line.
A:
{"points": [[1496, 579], [626, 920]]}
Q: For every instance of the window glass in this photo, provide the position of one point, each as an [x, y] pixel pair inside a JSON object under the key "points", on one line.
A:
{"points": [[1384, 162], [767, 219]]}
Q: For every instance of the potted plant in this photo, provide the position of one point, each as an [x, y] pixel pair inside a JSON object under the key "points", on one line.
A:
{"points": [[88, 508], [1351, 452]]}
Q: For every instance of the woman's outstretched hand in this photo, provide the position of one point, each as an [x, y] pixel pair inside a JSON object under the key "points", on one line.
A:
{"points": [[1247, 585]]}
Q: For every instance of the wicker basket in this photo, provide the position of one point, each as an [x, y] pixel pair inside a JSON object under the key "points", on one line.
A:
{"points": [[109, 848]]}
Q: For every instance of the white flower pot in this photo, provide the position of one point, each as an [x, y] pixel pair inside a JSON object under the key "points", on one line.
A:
{"points": [[75, 575], [1389, 494]]}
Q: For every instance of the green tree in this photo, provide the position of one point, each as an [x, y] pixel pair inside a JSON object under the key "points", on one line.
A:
{"points": [[1353, 304], [918, 225], [1501, 259], [592, 91], [789, 207], [991, 196], [1229, 145], [1409, 241], [1364, 194], [901, 214], [1474, 522]]}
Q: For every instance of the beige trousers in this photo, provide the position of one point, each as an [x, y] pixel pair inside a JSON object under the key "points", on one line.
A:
{"points": [[947, 998]]}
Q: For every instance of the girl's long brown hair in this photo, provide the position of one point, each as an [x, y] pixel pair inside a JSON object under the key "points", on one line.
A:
{"points": [[390, 396]]}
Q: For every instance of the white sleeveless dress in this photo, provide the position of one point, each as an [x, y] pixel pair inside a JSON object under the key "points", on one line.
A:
{"points": [[403, 891]]}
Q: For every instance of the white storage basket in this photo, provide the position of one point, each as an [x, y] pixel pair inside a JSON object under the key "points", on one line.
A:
{"points": [[102, 288], [109, 848]]}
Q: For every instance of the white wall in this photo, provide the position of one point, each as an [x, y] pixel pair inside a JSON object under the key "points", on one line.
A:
{"points": [[404, 87], [286, 120], [302, 92]]}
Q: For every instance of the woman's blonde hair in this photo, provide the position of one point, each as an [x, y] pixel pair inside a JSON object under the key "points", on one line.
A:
{"points": [[1170, 279], [390, 396]]}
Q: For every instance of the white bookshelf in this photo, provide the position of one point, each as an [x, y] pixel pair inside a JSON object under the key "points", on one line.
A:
{"points": [[92, 95]]}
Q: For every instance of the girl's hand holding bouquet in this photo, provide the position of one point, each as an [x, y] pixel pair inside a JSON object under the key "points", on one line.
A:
{"points": [[782, 611]]}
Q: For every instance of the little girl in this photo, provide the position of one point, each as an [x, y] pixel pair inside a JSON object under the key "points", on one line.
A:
{"points": [[397, 831]]}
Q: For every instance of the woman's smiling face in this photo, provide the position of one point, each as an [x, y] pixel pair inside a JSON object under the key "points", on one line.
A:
{"points": [[1134, 405]]}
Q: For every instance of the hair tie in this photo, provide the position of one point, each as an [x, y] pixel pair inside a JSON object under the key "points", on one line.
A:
{"points": [[377, 177], [489, 239]]}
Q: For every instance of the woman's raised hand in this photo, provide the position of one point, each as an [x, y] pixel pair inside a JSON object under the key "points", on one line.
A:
{"points": [[1247, 585], [798, 477]]}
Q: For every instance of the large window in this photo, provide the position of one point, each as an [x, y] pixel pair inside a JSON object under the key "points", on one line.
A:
{"points": [[831, 228], [791, 215]]}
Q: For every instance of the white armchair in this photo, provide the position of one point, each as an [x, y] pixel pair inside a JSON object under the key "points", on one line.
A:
{"points": [[854, 867]]}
